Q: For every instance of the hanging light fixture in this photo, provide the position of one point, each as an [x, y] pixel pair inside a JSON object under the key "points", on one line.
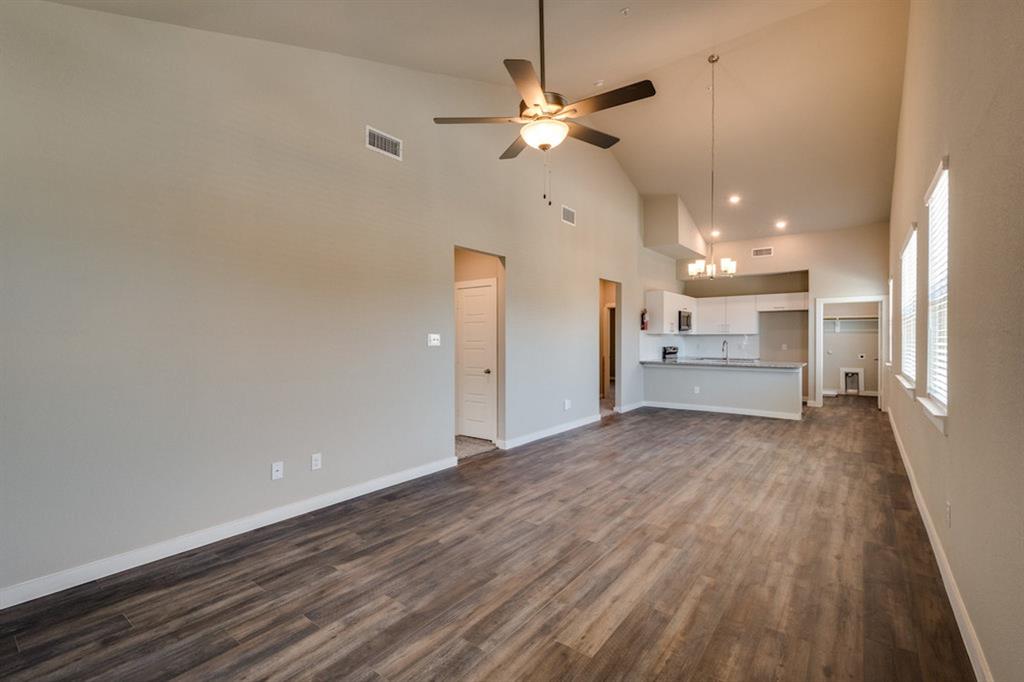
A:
{"points": [[705, 269]]}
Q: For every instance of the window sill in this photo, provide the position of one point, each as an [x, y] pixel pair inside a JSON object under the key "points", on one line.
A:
{"points": [[935, 412], [907, 385]]}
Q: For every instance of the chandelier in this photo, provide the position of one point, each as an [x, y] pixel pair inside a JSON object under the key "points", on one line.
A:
{"points": [[705, 269]]}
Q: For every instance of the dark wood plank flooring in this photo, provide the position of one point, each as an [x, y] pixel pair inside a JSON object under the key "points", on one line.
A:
{"points": [[654, 545]]}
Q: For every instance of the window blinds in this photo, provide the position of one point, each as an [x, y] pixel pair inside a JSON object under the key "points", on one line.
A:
{"points": [[938, 289], [908, 307]]}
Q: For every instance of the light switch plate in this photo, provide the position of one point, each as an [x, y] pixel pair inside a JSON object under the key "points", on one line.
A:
{"points": [[276, 471], [316, 461], [433, 339], [567, 404]]}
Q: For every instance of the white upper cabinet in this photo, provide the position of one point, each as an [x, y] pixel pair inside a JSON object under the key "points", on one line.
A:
{"points": [[741, 315], [663, 308], [768, 303], [727, 315], [710, 316]]}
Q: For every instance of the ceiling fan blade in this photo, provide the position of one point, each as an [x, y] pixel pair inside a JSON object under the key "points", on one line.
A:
{"points": [[607, 100], [594, 137], [527, 82], [513, 149], [478, 119]]}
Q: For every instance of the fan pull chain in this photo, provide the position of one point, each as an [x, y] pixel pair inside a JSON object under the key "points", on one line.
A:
{"points": [[547, 177]]}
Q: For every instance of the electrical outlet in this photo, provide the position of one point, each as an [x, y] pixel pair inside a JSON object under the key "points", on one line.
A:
{"points": [[567, 404], [785, 346], [949, 514], [433, 339], [276, 471], [316, 461], [696, 389]]}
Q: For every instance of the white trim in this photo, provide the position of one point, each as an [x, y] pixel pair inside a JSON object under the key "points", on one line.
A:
{"points": [[829, 393], [819, 341], [963, 619], [78, 575], [905, 384], [796, 416], [815, 403], [544, 433], [935, 412], [628, 408], [859, 371]]}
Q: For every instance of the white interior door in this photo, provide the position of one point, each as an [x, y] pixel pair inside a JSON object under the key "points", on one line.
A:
{"points": [[476, 358]]}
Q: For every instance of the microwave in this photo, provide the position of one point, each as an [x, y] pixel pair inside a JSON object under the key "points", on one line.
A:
{"points": [[684, 321]]}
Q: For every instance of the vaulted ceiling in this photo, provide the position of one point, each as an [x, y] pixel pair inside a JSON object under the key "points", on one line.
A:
{"points": [[808, 90]]}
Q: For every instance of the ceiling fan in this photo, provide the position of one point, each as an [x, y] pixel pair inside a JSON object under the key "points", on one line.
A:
{"points": [[546, 117]]}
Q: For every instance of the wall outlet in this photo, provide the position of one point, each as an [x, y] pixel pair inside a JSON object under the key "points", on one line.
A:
{"points": [[949, 514], [316, 461], [276, 471], [696, 389], [785, 346], [433, 339], [567, 404]]}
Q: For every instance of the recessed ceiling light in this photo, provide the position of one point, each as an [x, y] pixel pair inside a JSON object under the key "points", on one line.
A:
{"points": [[781, 224], [734, 199], [598, 83], [624, 11], [715, 233]]}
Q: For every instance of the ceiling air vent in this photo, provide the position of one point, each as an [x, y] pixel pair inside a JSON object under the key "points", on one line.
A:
{"points": [[568, 215], [383, 143], [762, 251]]}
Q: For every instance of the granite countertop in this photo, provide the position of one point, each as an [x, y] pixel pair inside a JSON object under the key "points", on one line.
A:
{"points": [[719, 362]]}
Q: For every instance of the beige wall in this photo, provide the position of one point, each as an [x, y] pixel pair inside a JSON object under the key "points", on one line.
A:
{"points": [[850, 262], [964, 96], [784, 328], [205, 270], [746, 285]]}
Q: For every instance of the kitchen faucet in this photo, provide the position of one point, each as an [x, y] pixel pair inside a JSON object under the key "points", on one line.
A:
{"points": [[725, 349]]}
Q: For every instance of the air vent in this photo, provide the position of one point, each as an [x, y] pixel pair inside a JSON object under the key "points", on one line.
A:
{"points": [[568, 215], [383, 143], [762, 251]]}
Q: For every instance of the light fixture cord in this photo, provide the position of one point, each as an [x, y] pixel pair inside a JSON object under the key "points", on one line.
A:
{"points": [[713, 59]]}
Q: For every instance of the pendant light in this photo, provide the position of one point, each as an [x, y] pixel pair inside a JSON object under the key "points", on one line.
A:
{"points": [[702, 269]]}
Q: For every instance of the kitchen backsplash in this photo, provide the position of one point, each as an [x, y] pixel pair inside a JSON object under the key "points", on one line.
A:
{"points": [[740, 346]]}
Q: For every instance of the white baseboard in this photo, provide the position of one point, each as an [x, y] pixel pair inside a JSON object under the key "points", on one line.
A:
{"points": [[628, 408], [726, 410], [544, 433], [78, 575], [831, 393], [814, 403], [963, 619]]}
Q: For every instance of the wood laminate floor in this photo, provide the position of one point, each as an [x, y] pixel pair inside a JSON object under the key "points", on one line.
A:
{"points": [[653, 545]]}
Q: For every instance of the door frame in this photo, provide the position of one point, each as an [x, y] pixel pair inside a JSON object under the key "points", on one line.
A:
{"points": [[615, 331], [498, 365], [819, 341]]}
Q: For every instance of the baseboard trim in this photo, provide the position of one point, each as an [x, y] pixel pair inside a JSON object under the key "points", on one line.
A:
{"points": [[796, 416], [628, 408], [101, 568], [544, 433], [963, 619]]}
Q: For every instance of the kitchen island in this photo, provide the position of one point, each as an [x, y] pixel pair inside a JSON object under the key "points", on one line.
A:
{"points": [[751, 387]]}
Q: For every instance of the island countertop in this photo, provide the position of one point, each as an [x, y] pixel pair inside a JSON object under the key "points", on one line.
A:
{"points": [[739, 363]]}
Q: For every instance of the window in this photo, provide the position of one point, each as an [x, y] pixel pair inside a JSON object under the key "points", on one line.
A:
{"points": [[908, 308], [938, 287], [888, 347]]}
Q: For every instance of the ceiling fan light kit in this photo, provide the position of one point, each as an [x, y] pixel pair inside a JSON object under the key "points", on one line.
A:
{"points": [[546, 116]]}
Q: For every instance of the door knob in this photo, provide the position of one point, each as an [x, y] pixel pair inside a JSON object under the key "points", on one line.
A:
{"points": [[487, 371]]}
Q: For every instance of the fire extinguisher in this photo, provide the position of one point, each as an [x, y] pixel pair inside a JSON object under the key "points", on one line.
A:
{"points": [[643, 320]]}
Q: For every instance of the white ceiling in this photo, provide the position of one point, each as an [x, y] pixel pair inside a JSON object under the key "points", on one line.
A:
{"points": [[808, 89]]}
